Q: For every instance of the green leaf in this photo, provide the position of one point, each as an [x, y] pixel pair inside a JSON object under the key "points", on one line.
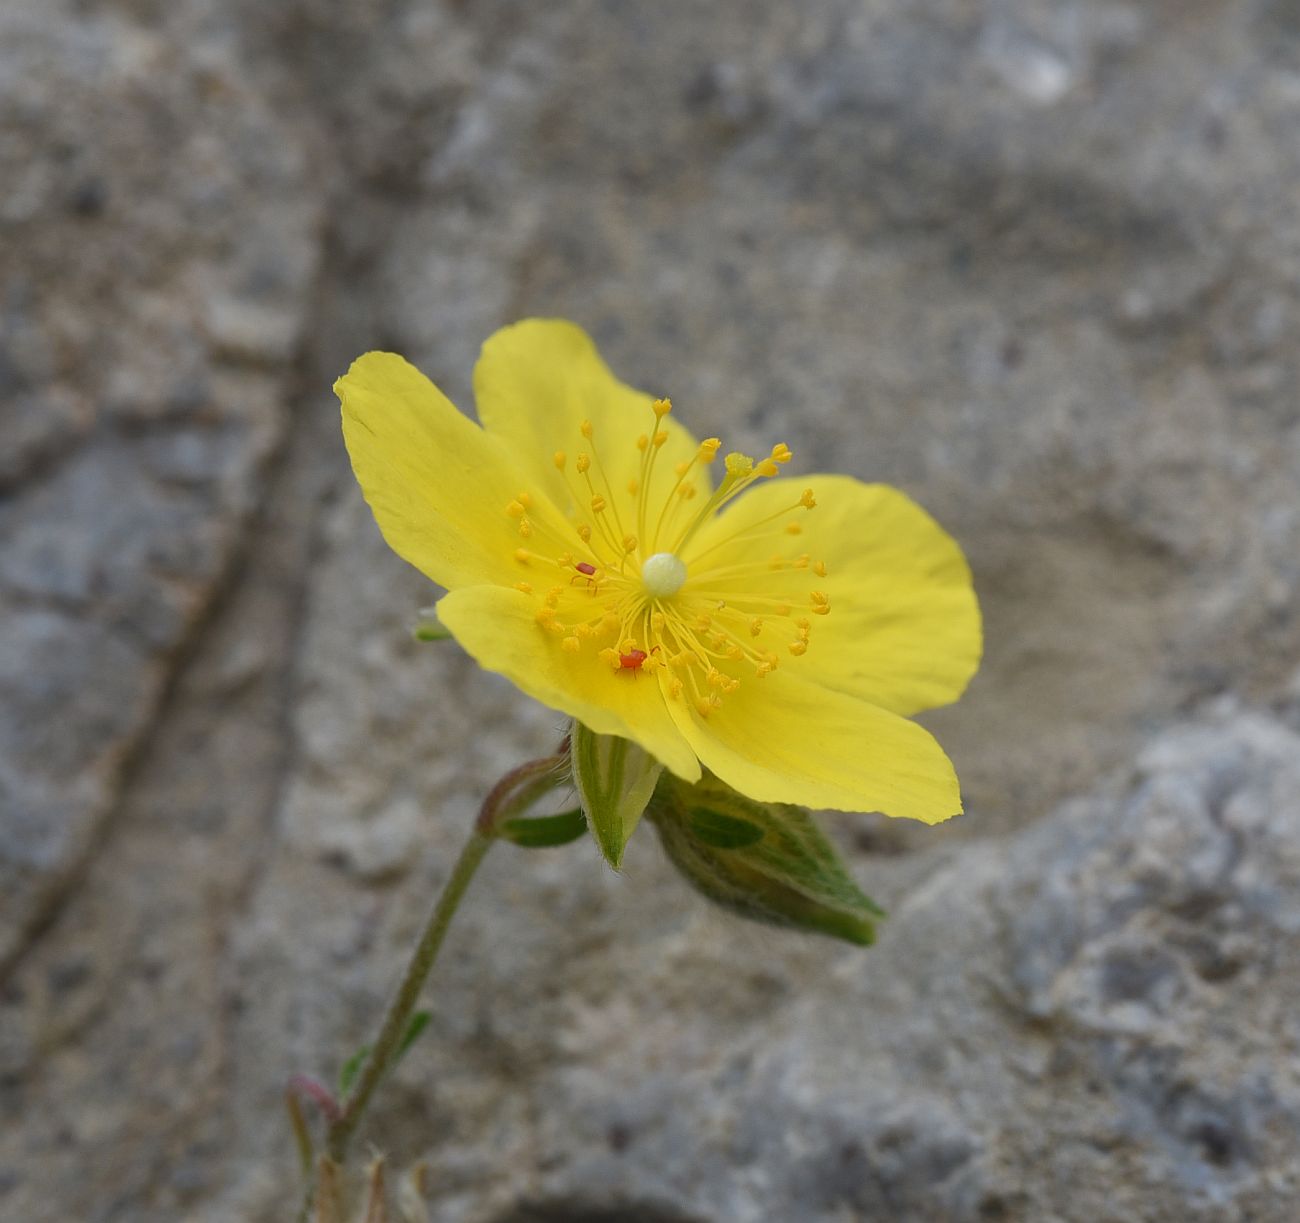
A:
{"points": [[615, 779], [765, 861], [352, 1068], [544, 831], [722, 831], [414, 1029]]}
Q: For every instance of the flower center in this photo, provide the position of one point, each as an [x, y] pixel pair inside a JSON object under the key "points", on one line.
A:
{"points": [[662, 574], [624, 583]]}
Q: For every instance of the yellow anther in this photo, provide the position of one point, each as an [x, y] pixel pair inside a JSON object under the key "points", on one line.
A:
{"points": [[584, 631], [560, 459], [804, 626], [585, 429], [651, 662], [776, 562], [675, 688], [525, 528], [783, 609], [642, 442], [702, 621], [545, 616], [801, 562], [822, 609], [793, 528], [571, 645], [526, 500], [767, 467], [609, 623], [524, 587], [772, 658], [629, 543], [735, 652], [610, 656], [756, 626], [597, 504], [660, 437], [516, 509], [798, 647], [807, 500], [739, 465], [553, 599], [632, 486], [781, 453], [704, 706], [584, 532], [819, 596], [709, 448], [680, 469], [688, 491], [583, 463], [627, 645], [713, 678], [763, 668], [662, 407], [730, 684], [819, 568], [522, 555], [564, 560]]}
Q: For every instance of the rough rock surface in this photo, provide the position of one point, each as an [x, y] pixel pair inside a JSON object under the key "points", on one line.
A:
{"points": [[1035, 261]]}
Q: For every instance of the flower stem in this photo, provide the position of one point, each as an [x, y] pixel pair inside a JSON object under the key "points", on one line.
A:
{"points": [[398, 1019], [513, 794]]}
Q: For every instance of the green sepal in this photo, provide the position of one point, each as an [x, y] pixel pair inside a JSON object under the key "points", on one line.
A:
{"points": [[544, 831], [614, 779], [721, 831], [428, 627], [765, 861]]}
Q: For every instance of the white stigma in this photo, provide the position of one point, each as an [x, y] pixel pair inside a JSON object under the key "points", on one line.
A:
{"points": [[662, 574]]}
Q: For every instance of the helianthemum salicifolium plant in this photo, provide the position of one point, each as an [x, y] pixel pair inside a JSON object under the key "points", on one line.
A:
{"points": [[734, 645]]}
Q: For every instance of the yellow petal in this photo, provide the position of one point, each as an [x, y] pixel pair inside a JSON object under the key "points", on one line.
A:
{"points": [[785, 739], [535, 384], [498, 628], [437, 484], [904, 627]]}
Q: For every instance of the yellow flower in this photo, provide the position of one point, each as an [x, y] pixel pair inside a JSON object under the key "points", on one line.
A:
{"points": [[778, 638]]}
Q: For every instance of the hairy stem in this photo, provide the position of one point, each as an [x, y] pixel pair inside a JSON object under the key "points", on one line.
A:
{"points": [[404, 1001], [513, 794]]}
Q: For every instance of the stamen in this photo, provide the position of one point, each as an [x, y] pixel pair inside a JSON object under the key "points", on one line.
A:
{"points": [[696, 629]]}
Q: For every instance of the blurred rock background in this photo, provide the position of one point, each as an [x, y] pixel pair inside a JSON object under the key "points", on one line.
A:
{"points": [[1035, 261]]}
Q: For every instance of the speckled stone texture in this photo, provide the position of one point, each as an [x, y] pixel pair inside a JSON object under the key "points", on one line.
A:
{"points": [[1035, 261]]}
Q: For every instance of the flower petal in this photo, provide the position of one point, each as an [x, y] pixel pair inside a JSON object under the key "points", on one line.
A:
{"points": [[498, 628], [538, 380], [438, 484], [904, 627], [785, 739]]}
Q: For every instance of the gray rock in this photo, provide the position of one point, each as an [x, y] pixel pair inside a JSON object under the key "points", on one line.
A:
{"points": [[1036, 262]]}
